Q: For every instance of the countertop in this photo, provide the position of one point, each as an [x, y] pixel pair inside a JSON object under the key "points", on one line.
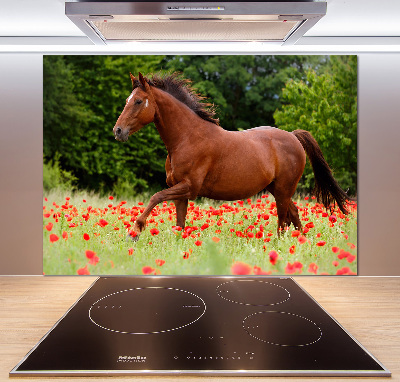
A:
{"points": [[367, 307]]}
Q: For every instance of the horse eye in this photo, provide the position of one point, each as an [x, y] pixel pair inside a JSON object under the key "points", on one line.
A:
{"points": [[138, 101]]}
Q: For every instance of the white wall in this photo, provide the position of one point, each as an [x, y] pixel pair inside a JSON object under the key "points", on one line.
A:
{"points": [[21, 164]]}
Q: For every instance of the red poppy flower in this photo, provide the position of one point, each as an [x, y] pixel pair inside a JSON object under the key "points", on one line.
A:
{"points": [[103, 223], [198, 243], [335, 249], [111, 197], [313, 268], [147, 270], [301, 239], [310, 225], [65, 235], [83, 271], [344, 271], [90, 254], [351, 245], [335, 263], [295, 233], [53, 238], [321, 243], [259, 271], [130, 251], [132, 233], [154, 231], [343, 254], [292, 249], [94, 260], [290, 269], [160, 262], [333, 219], [215, 239], [250, 235], [273, 257], [259, 235], [351, 258], [240, 268], [86, 236], [293, 268], [49, 226], [298, 265], [186, 255]]}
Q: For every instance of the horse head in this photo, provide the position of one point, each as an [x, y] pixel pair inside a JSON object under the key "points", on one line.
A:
{"points": [[139, 110]]}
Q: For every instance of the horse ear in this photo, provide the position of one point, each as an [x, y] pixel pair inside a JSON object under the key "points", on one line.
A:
{"points": [[133, 79], [142, 80]]}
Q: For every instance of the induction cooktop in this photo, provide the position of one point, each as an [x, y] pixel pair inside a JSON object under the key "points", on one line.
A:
{"points": [[197, 326]]}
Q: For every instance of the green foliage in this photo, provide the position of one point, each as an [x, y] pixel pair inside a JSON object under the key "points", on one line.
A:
{"points": [[54, 177], [64, 116], [245, 89], [326, 106]]}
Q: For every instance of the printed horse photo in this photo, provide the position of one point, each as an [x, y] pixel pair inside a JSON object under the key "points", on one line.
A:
{"points": [[204, 160]]}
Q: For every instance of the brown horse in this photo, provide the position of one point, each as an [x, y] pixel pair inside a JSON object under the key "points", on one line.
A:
{"points": [[206, 160]]}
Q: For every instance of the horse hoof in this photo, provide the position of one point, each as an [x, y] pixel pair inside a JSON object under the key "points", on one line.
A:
{"points": [[133, 236]]}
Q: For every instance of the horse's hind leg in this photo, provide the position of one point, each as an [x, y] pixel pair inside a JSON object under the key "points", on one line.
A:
{"points": [[282, 207], [286, 209], [293, 216]]}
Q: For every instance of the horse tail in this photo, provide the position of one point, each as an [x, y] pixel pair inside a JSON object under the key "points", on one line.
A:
{"points": [[326, 188]]}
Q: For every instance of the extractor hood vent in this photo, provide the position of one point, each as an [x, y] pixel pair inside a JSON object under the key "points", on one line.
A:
{"points": [[116, 22]]}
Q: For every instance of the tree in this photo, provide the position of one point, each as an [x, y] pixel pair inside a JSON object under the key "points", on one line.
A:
{"points": [[245, 88], [326, 106], [64, 115]]}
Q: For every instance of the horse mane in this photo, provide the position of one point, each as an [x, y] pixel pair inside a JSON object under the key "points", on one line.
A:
{"points": [[181, 88]]}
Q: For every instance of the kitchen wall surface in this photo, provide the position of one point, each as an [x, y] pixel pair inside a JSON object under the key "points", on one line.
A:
{"points": [[21, 164]]}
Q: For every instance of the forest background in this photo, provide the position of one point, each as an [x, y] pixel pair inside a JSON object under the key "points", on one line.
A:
{"points": [[84, 95]]}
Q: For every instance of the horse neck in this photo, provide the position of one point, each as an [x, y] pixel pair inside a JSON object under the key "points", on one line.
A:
{"points": [[174, 120]]}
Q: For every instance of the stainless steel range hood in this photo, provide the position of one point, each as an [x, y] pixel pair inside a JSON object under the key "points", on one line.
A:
{"points": [[278, 22]]}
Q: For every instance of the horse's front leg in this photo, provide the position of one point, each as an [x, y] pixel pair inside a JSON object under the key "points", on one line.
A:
{"points": [[181, 211], [179, 192]]}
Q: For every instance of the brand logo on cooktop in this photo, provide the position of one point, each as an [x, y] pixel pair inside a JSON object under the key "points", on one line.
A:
{"points": [[131, 358]]}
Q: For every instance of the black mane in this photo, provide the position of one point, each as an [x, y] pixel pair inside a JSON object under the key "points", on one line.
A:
{"points": [[182, 90]]}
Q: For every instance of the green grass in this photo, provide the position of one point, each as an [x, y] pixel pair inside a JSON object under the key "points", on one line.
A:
{"points": [[220, 251]]}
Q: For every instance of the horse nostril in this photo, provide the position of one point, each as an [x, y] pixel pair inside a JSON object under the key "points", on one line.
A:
{"points": [[118, 131]]}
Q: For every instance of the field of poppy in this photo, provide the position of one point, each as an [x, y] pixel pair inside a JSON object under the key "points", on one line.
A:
{"points": [[85, 234]]}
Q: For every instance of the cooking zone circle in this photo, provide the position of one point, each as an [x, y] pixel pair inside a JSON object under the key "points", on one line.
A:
{"points": [[253, 292], [282, 328], [147, 310]]}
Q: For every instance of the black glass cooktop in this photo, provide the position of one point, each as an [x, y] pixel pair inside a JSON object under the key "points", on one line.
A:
{"points": [[197, 325]]}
